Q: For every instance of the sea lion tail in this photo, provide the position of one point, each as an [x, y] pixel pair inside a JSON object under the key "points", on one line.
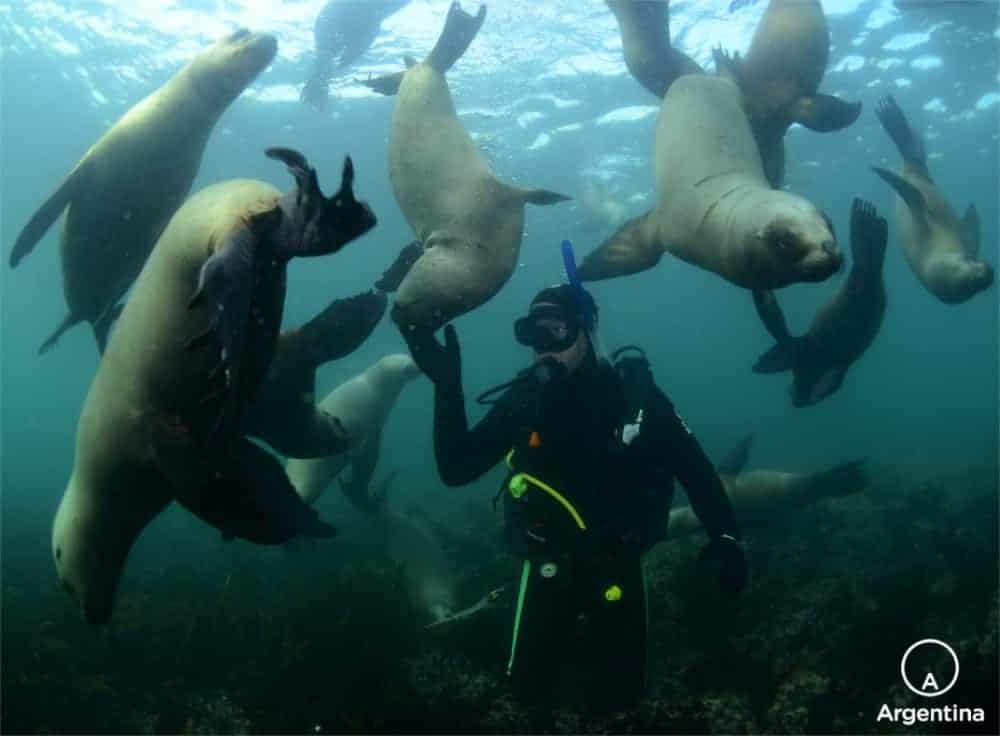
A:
{"points": [[68, 321], [460, 29], [910, 145], [542, 197], [841, 480]]}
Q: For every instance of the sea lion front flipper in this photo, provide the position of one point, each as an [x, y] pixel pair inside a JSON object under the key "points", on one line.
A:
{"points": [[102, 325], [631, 249], [970, 231], [48, 213], [827, 384], [909, 194], [248, 495], [542, 197], [909, 144], [342, 327], [825, 113], [460, 29], [736, 460], [770, 314], [393, 276]]}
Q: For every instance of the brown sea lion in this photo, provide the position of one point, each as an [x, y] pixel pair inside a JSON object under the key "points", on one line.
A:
{"points": [[126, 187], [941, 249], [780, 76], [194, 340], [761, 497], [649, 56], [715, 208], [470, 222], [843, 329]]}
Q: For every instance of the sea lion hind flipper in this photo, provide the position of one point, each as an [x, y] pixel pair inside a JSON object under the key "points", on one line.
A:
{"points": [[780, 358], [357, 491], [970, 231], [909, 144], [736, 460], [48, 213], [387, 84], [842, 480], [631, 249], [393, 276], [248, 495], [728, 64], [102, 325], [869, 234], [908, 193], [827, 384], [68, 321], [825, 113], [542, 197], [460, 29]]}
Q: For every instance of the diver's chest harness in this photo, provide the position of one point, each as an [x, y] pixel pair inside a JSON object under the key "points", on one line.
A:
{"points": [[535, 505]]}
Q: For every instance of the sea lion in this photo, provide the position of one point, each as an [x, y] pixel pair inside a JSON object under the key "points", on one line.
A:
{"points": [[126, 187], [843, 329], [469, 222], [645, 31], [715, 208], [428, 571], [362, 405], [941, 249], [760, 497], [779, 77], [344, 30], [193, 342], [284, 413]]}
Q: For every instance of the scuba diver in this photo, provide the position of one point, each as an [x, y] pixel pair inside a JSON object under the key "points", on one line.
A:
{"points": [[592, 450]]}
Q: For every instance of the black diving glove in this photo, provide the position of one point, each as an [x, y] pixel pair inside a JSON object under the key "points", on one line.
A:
{"points": [[440, 363], [727, 551]]}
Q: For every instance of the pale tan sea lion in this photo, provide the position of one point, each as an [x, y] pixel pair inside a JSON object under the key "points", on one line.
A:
{"points": [[780, 76], [194, 340], [715, 208], [121, 194], [470, 222], [362, 405], [942, 250]]}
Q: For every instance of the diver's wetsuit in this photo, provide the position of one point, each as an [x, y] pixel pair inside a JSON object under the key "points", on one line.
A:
{"points": [[568, 435]]}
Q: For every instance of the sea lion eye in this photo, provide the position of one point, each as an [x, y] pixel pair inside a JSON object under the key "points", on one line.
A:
{"points": [[58, 553]]}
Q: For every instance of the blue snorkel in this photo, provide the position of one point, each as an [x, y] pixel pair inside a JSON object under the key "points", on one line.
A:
{"points": [[585, 306]]}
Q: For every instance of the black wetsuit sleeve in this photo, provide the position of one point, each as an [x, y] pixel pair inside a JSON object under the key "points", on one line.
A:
{"points": [[462, 454], [696, 472]]}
